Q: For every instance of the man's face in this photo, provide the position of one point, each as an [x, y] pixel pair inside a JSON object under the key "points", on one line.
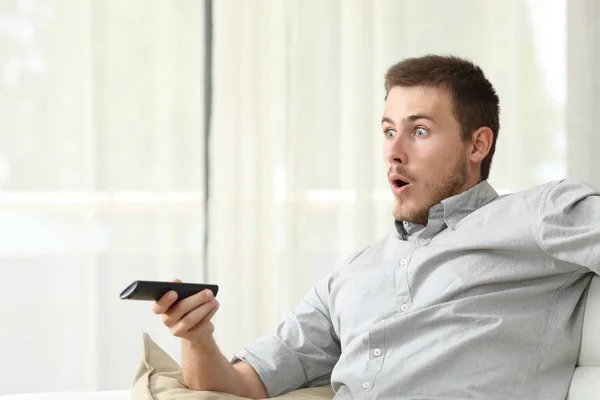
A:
{"points": [[426, 158]]}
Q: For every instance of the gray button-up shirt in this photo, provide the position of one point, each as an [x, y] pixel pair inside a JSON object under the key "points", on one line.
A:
{"points": [[485, 302]]}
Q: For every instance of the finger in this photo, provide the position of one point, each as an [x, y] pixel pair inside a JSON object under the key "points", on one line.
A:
{"points": [[205, 323], [212, 312], [175, 313], [163, 304], [195, 317]]}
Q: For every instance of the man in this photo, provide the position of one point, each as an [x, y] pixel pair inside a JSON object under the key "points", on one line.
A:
{"points": [[472, 296]]}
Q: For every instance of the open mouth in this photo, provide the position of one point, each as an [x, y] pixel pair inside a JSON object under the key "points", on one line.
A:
{"points": [[399, 186], [399, 183]]}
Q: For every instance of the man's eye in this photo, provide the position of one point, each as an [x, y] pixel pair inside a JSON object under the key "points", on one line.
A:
{"points": [[420, 132], [390, 133]]}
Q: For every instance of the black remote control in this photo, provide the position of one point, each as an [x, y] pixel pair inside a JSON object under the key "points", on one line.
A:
{"points": [[154, 290]]}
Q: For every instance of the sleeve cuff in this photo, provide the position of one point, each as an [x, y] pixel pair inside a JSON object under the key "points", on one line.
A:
{"points": [[277, 366]]}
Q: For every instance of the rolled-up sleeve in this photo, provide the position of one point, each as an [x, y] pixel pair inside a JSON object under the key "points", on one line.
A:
{"points": [[302, 351], [568, 227]]}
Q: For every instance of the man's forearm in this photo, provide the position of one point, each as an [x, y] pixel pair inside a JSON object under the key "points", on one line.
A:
{"points": [[205, 368]]}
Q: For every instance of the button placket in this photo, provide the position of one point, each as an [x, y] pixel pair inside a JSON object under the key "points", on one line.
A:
{"points": [[376, 356], [402, 290]]}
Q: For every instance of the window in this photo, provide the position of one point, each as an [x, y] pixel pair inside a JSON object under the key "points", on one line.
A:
{"points": [[101, 181]]}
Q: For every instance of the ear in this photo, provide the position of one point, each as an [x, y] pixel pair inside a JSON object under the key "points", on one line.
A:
{"points": [[481, 143]]}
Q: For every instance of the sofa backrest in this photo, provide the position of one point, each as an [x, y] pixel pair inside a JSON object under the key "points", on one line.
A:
{"points": [[586, 380]]}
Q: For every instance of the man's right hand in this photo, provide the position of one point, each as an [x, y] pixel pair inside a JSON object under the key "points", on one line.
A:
{"points": [[203, 366], [189, 318]]}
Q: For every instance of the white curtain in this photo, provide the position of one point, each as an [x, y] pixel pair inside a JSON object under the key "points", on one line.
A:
{"points": [[297, 178], [101, 182]]}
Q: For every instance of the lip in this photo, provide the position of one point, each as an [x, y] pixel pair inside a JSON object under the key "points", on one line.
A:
{"points": [[397, 177], [398, 190]]}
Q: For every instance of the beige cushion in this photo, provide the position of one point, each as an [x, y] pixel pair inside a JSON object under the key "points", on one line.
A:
{"points": [[159, 377]]}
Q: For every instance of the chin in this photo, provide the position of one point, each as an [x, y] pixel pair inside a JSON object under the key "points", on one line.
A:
{"points": [[401, 213], [409, 214]]}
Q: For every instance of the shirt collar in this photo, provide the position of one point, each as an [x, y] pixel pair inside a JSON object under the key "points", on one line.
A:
{"points": [[453, 209]]}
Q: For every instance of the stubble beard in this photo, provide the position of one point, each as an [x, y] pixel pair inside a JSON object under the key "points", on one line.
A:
{"points": [[451, 184]]}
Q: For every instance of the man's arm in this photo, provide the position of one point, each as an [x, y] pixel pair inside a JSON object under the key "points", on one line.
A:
{"points": [[303, 350], [568, 224], [204, 367]]}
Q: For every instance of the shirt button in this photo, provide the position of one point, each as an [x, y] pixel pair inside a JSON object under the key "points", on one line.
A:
{"points": [[424, 241], [366, 385], [376, 352], [403, 261], [404, 307]]}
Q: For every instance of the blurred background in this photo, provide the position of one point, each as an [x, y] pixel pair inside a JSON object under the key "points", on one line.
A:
{"points": [[235, 142]]}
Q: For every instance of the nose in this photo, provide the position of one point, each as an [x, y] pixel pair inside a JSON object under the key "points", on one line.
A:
{"points": [[394, 151]]}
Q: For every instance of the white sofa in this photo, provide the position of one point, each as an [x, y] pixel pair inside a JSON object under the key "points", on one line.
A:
{"points": [[586, 380], [100, 395]]}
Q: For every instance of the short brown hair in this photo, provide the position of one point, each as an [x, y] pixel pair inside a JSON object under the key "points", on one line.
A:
{"points": [[475, 101]]}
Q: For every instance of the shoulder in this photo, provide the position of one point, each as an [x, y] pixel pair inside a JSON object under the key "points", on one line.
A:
{"points": [[376, 250], [553, 192], [352, 257], [553, 197], [563, 193], [364, 255]]}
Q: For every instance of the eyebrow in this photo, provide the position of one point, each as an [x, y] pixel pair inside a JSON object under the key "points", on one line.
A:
{"points": [[409, 119]]}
